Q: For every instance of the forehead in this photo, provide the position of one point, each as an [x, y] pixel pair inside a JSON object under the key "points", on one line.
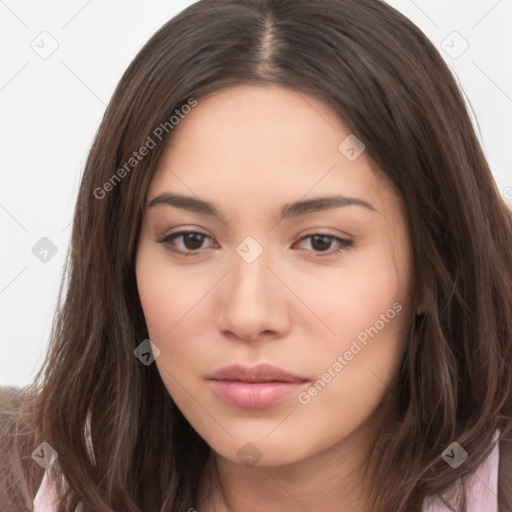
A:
{"points": [[254, 144]]}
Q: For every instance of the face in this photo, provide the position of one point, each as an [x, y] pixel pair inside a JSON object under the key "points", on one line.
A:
{"points": [[320, 291]]}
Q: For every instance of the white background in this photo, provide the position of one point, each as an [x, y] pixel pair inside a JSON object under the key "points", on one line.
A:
{"points": [[51, 109]]}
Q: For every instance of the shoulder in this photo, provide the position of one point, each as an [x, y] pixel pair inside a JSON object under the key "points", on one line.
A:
{"points": [[21, 475]]}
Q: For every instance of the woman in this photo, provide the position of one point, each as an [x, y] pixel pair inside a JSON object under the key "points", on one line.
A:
{"points": [[289, 285]]}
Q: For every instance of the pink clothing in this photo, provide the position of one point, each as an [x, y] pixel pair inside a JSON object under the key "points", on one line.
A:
{"points": [[45, 500], [482, 495], [482, 488]]}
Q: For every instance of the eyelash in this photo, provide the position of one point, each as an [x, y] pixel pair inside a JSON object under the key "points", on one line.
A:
{"points": [[166, 241]]}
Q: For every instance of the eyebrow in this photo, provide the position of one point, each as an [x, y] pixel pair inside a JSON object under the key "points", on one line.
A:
{"points": [[288, 210]]}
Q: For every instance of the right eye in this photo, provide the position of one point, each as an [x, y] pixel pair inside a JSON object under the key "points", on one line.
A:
{"points": [[191, 241]]}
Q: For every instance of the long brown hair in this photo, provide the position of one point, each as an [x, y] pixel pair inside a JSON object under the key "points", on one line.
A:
{"points": [[391, 87]]}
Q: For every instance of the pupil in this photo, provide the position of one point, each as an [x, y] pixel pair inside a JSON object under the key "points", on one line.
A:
{"points": [[190, 237], [324, 246]]}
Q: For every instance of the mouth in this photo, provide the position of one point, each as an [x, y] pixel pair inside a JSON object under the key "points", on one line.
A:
{"points": [[259, 373], [255, 388]]}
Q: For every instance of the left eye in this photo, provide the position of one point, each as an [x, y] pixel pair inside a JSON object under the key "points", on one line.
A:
{"points": [[320, 242], [192, 241]]}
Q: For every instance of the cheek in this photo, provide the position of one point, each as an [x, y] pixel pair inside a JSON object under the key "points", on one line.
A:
{"points": [[173, 302], [365, 306], [354, 369], [166, 294], [167, 297], [354, 296]]}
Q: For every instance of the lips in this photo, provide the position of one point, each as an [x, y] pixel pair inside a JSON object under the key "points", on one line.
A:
{"points": [[255, 388], [259, 373]]}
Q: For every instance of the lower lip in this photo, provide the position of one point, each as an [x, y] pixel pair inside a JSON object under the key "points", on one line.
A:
{"points": [[255, 395]]}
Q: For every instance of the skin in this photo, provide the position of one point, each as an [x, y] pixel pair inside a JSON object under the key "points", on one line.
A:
{"points": [[250, 150]]}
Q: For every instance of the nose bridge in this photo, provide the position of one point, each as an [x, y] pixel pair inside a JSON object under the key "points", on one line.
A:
{"points": [[250, 274], [249, 302]]}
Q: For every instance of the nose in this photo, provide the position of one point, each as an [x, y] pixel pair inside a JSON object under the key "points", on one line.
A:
{"points": [[253, 301]]}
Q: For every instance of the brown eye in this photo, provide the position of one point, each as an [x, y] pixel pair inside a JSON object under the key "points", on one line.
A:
{"points": [[193, 241], [190, 241], [321, 243]]}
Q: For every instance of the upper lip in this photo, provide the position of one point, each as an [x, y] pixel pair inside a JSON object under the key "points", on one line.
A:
{"points": [[259, 373]]}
